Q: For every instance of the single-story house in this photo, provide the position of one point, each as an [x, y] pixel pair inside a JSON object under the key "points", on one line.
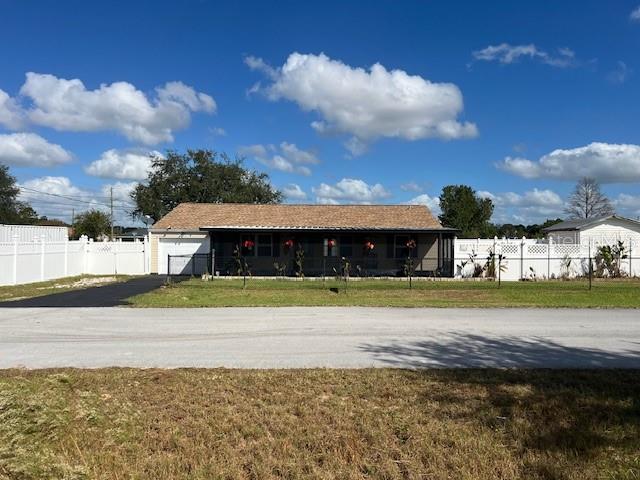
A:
{"points": [[375, 239], [605, 230]]}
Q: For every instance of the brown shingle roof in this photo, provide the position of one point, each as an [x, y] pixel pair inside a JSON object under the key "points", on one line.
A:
{"points": [[193, 216]]}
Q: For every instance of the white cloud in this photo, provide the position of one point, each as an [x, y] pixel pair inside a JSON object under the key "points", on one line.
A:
{"points": [[122, 164], [628, 205], [635, 14], [58, 197], [121, 192], [67, 105], [218, 131], [366, 104], [31, 150], [620, 74], [350, 190], [410, 187], [432, 202], [607, 163], [294, 192], [11, 116], [529, 207], [286, 157], [507, 54]]}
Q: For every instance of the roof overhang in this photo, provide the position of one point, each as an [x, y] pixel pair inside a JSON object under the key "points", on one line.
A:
{"points": [[327, 229]]}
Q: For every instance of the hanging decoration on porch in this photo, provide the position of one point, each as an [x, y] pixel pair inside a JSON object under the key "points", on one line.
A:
{"points": [[288, 244], [368, 246], [331, 243], [411, 244], [248, 244]]}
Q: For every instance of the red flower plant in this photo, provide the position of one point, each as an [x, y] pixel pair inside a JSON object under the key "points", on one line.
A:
{"points": [[368, 245], [288, 243], [411, 244], [331, 243], [248, 244]]}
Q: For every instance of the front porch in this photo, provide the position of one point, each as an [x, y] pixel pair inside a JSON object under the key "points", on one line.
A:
{"points": [[325, 253]]}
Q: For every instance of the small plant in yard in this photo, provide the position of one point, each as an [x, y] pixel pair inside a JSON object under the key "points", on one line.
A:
{"points": [[242, 267], [492, 270], [565, 267], [409, 263], [473, 260], [345, 271], [299, 261], [609, 259], [281, 269]]}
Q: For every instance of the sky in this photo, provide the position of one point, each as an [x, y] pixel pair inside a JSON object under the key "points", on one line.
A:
{"points": [[339, 102]]}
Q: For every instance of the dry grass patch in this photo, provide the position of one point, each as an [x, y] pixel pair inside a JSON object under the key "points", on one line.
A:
{"points": [[325, 424]]}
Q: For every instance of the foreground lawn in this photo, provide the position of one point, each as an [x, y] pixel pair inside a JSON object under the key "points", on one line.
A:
{"points": [[230, 293], [29, 290], [329, 424]]}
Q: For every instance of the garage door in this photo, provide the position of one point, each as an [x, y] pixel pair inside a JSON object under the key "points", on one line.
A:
{"points": [[180, 246]]}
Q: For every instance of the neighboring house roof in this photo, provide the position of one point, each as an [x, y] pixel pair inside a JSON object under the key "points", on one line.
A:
{"points": [[583, 223], [196, 216]]}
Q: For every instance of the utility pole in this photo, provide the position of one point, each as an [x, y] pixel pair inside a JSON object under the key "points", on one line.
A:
{"points": [[111, 207], [73, 216]]}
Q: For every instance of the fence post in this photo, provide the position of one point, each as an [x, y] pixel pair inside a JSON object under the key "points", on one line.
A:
{"points": [[630, 257], [549, 246], [522, 257], [15, 259], [42, 258], [66, 257]]}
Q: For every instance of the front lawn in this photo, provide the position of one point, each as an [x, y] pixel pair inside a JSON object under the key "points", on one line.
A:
{"points": [[30, 290], [382, 293], [319, 424]]}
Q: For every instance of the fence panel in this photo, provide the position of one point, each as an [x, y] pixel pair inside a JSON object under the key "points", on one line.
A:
{"points": [[528, 259], [27, 262]]}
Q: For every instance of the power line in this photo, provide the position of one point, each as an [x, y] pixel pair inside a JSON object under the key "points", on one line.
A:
{"points": [[75, 199]]}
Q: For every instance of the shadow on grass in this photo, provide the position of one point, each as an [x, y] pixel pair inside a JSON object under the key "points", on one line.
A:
{"points": [[461, 350], [561, 411]]}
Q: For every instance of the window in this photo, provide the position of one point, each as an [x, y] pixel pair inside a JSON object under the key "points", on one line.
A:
{"points": [[330, 247], [264, 246], [400, 247], [260, 245], [346, 246]]}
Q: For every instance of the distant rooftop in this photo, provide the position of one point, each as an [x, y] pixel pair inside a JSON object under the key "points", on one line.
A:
{"points": [[581, 223]]}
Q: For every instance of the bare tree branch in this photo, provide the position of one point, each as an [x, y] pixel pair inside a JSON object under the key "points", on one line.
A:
{"points": [[587, 201]]}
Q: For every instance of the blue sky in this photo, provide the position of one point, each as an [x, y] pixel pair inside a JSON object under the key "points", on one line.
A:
{"points": [[516, 99]]}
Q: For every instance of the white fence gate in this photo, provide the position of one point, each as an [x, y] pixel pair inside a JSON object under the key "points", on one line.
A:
{"points": [[529, 258], [36, 261]]}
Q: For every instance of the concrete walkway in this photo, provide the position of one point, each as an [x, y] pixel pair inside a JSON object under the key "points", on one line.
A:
{"points": [[318, 337]]}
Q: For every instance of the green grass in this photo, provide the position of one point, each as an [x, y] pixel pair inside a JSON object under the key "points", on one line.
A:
{"points": [[320, 424], [29, 290], [379, 293]]}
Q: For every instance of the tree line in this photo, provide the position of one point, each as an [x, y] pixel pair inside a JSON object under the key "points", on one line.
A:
{"points": [[209, 177]]}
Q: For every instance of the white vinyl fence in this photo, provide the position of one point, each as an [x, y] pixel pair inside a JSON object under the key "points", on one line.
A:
{"points": [[30, 233], [528, 259], [36, 261]]}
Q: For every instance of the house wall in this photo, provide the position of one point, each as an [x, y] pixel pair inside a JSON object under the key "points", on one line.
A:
{"points": [[380, 261], [168, 243], [610, 231]]}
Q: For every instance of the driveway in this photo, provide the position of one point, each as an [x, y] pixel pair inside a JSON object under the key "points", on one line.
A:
{"points": [[318, 337], [111, 295]]}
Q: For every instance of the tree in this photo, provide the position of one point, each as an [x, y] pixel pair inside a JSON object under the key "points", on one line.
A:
{"points": [[13, 211], [199, 176], [93, 223], [463, 209], [587, 201]]}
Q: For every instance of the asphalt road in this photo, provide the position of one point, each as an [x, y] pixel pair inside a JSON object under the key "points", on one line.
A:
{"points": [[318, 337]]}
